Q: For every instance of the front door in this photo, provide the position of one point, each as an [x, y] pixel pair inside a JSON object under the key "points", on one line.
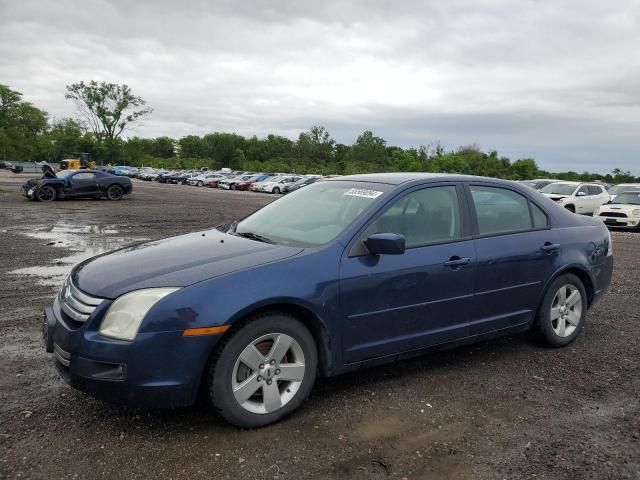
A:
{"points": [[397, 303], [84, 184]]}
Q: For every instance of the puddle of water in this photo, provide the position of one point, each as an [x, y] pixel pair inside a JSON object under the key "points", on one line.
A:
{"points": [[85, 241]]}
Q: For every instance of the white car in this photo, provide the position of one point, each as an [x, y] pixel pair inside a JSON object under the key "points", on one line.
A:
{"points": [[200, 180], [277, 184], [577, 197], [623, 187], [623, 212]]}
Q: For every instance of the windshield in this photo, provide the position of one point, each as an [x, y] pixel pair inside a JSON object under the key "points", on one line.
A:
{"points": [[559, 188], [628, 198], [312, 216], [618, 189]]}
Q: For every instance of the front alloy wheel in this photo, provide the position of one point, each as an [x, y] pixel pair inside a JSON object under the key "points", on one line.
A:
{"points": [[268, 373], [263, 371], [46, 193]]}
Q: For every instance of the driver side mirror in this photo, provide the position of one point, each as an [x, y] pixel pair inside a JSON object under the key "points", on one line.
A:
{"points": [[581, 194], [385, 244]]}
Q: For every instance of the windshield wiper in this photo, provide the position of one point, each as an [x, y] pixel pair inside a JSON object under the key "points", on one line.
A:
{"points": [[254, 236]]}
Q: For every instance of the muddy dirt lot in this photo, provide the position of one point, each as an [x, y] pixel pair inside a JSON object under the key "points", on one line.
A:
{"points": [[502, 409]]}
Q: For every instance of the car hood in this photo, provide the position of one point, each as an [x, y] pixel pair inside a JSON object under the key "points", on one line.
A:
{"points": [[174, 262], [619, 207], [555, 196]]}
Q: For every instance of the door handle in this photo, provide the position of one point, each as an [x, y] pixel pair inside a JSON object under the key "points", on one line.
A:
{"points": [[550, 247], [457, 262]]}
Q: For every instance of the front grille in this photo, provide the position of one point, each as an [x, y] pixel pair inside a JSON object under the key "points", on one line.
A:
{"points": [[76, 304], [614, 214]]}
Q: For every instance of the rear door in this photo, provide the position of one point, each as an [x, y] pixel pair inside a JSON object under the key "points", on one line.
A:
{"points": [[397, 303], [517, 251]]}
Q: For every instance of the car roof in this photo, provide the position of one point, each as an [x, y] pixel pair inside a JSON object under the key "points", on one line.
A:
{"points": [[406, 177]]}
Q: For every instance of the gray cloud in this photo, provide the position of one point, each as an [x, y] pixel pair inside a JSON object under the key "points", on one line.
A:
{"points": [[557, 81]]}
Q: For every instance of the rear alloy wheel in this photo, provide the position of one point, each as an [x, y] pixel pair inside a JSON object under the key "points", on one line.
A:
{"points": [[46, 193], [563, 311], [276, 190], [115, 192], [264, 371]]}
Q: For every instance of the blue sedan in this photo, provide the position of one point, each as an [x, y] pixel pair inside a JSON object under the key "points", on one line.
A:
{"points": [[343, 274]]}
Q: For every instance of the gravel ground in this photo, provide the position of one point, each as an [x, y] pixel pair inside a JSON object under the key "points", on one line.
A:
{"points": [[501, 409]]}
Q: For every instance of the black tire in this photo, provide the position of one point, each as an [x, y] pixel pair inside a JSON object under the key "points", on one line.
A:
{"points": [[221, 371], [200, 183], [571, 208], [115, 192], [46, 193], [544, 323], [276, 190], [233, 186]]}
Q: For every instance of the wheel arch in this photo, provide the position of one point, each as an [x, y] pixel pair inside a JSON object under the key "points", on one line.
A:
{"points": [[580, 272], [304, 314], [309, 319]]}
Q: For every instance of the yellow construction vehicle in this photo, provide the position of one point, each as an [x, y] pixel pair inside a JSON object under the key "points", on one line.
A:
{"points": [[76, 162]]}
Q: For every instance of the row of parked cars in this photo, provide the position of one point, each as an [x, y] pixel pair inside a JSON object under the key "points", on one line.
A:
{"points": [[225, 179], [617, 205]]}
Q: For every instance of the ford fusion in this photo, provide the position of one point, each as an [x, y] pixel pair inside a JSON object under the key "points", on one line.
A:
{"points": [[343, 274]]}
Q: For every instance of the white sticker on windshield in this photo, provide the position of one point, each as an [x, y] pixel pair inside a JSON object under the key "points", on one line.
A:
{"points": [[362, 192]]}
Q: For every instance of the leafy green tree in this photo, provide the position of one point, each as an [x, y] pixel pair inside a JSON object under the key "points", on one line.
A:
{"points": [[238, 159], [524, 169], [315, 147], [108, 108], [370, 149]]}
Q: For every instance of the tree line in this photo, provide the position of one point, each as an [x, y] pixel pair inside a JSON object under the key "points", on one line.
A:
{"points": [[106, 111]]}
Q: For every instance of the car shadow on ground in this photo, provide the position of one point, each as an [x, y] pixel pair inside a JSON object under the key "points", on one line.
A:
{"points": [[202, 415]]}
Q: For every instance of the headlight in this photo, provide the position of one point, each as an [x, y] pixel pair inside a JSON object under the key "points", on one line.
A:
{"points": [[125, 315], [636, 212]]}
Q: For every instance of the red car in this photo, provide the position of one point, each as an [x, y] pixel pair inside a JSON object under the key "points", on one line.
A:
{"points": [[245, 184]]}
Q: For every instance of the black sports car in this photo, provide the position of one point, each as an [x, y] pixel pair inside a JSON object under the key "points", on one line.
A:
{"points": [[77, 184]]}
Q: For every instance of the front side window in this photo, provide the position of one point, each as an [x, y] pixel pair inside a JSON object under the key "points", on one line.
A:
{"points": [[84, 176], [500, 210], [584, 190], [423, 217]]}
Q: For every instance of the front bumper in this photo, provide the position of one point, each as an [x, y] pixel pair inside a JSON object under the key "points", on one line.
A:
{"points": [[157, 369], [620, 222]]}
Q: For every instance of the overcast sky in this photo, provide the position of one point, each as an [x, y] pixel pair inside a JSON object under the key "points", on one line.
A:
{"points": [[555, 80]]}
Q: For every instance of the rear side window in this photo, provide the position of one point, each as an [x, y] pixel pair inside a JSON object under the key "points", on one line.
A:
{"points": [[500, 210], [595, 190]]}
